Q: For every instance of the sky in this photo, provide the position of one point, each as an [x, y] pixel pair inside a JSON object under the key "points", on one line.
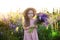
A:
{"points": [[13, 5]]}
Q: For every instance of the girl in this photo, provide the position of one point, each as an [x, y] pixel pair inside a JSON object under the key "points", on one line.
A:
{"points": [[30, 29]]}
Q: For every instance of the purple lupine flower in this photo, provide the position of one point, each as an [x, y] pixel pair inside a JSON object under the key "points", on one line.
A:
{"points": [[40, 14], [39, 18], [4, 19], [12, 25], [43, 16], [46, 23]]}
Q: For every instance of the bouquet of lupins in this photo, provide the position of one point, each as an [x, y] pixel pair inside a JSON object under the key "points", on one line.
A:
{"points": [[42, 22], [42, 18]]}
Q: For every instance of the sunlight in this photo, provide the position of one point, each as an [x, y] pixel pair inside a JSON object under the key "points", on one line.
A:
{"points": [[7, 5]]}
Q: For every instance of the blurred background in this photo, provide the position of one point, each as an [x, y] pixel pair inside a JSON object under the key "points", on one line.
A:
{"points": [[11, 18]]}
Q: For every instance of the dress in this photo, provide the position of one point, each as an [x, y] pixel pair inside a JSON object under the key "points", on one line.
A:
{"points": [[33, 35]]}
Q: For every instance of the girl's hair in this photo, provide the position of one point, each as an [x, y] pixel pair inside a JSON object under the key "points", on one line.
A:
{"points": [[26, 18]]}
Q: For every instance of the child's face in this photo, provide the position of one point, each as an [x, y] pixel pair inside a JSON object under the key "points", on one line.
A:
{"points": [[30, 14]]}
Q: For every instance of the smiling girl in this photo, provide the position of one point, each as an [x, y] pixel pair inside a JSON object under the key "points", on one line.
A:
{"points": [[30, 29]]}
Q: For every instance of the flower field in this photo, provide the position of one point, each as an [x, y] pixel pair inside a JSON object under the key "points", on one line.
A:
{"points": [[11, 27]]}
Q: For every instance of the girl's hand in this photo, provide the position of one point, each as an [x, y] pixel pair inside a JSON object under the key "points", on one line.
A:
{"points": [[26, 28], [32, 26]]}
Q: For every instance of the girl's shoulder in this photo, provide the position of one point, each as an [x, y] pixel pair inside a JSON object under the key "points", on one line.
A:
{"points": [[34, 19]]}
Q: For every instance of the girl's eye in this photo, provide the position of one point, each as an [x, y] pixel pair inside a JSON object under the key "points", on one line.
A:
{"points": [[30, 13]]}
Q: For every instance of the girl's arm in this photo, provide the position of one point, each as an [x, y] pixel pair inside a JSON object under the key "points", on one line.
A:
{"points": [[23, 23], [35, 23], [36, 26], [25, 28]]}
